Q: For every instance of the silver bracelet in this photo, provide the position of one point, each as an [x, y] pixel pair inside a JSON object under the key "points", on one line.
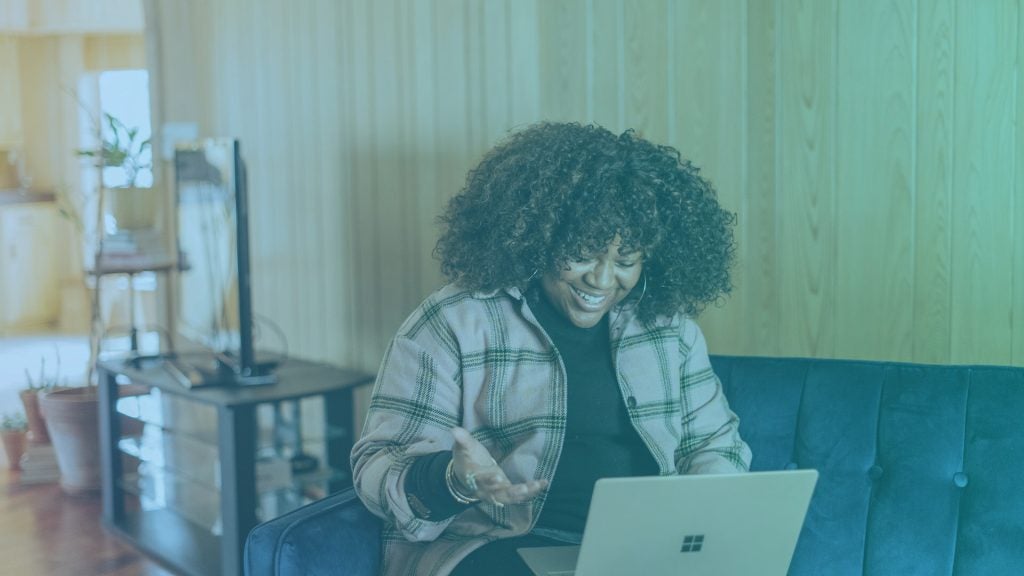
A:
{"points": [[449, 480]]}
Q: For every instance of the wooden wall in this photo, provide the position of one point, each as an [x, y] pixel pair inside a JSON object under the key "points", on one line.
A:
{"points": [[873, 150]]}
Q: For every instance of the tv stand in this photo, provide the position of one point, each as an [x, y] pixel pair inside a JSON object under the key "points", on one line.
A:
{"points": [[225, 488]]}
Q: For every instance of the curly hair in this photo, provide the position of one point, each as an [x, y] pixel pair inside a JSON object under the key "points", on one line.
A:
{"points": [[553, 192]]}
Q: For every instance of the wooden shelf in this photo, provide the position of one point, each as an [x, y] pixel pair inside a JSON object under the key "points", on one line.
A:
{"points": [[236, 503]]}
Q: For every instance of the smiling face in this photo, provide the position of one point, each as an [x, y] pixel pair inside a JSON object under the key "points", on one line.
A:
{"points": [[588, 288]]}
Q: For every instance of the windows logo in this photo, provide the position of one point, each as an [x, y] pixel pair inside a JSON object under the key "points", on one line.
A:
{"points": [[692, 543]]}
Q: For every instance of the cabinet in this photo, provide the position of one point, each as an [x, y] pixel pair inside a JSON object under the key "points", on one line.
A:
{"points": [[187, 472], [29, 276]]}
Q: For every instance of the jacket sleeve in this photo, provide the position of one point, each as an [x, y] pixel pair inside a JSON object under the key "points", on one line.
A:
{"points": [[416, 400], [710, 442]]}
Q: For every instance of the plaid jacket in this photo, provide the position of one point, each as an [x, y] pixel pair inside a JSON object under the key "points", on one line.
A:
{"points": [[482, 361]]}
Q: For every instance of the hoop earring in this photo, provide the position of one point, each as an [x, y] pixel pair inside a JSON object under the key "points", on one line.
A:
{"points": [[643, 292]]}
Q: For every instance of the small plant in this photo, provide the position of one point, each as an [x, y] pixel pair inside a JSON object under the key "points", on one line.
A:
{"points": [[121, 147], [44, 381], [13, 422]]}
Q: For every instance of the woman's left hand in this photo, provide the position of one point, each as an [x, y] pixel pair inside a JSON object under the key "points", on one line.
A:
{"points": [[480, 476]]}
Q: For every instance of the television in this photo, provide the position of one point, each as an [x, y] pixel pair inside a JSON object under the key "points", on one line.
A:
{"points": [[214, 300]]}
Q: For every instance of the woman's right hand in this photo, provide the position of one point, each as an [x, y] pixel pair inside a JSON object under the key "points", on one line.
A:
{"points": [[479, 476]]}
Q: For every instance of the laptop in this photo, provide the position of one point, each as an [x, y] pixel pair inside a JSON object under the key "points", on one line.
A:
{"points": [[715, 524]]}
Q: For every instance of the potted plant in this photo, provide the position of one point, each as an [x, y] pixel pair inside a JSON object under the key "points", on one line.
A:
{"points": [[37, 433], [70, 414], [13, 431], [123, 148], [72, 419]]}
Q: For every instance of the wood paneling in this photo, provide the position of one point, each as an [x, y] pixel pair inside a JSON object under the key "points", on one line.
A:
{"points": [[759, 288], [709, 109], [983, 181], [605, 63], [874, 171], [562, 30], [871, 151], [1017, 289], [805, 196], [646, 73], [933, 194]]}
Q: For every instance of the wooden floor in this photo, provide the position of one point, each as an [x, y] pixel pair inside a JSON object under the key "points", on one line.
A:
{"points": [[44, 532]]}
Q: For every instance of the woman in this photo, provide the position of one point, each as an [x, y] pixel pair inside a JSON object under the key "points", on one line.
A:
{"points": [[562, 351]]}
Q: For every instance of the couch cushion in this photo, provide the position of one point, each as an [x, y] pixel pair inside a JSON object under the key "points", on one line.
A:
{"points": [[991, 535], [916, 475], [337, 535]]}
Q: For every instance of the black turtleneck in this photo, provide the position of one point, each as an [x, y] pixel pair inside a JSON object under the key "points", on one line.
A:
{"points": [[600, 441]]}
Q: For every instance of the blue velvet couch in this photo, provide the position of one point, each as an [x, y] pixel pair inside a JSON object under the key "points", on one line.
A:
{"points": [[921, 472]]}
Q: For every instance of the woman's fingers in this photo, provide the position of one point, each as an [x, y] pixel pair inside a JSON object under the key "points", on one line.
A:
{"points": [[519, 493], [479, 472], [474, 467], [490, 478]]}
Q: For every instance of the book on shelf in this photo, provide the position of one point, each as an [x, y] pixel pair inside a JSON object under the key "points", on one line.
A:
{"points": [[138, 249], [130, 243], [39, 464]]}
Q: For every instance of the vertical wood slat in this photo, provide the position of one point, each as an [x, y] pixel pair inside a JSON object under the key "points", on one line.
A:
{"points": [[450, 93], [296, 189], [286, 190], [274, 145], [806, 194], [406, 180], [562, 65], [646, 73], [476, 94], [426, 153], [1017, 292], [934, 190], [874, 180], [302, 186], [494, 73], [982, 240], [330, 285], [255, 144], [351, 350], [759, 288], [323, 259], [524, 62], [388, 284], [710, 129], [363, 185], [605, 47]]}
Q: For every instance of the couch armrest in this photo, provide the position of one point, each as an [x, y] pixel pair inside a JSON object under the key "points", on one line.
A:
{"points": [[336, 535]]}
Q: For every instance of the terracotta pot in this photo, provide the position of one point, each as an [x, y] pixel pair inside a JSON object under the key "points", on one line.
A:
{"points": [[14, 447], [72, 418], [37, 433]]}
